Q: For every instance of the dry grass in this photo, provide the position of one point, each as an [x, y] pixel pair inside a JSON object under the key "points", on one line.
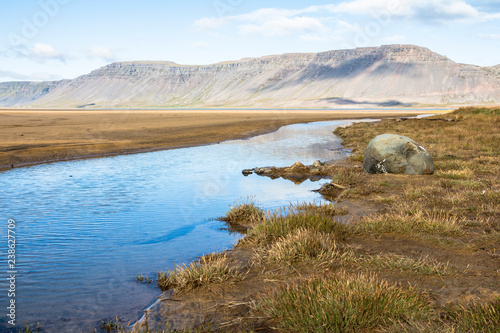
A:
{"points": [[301, 233], [245, 210], [476, 317], [343, 303], [213, 268], [408, 222], [462, 174], [458, 206], [346, 176], [459, 198], [282, 223], [327, 209], [301, 245], [243, 215], [473, 136]]}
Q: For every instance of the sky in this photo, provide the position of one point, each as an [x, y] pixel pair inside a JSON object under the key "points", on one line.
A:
{"points": [[44, 40]]}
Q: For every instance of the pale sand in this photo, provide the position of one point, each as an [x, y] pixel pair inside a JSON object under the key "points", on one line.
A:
{"points": [[37, 136]]}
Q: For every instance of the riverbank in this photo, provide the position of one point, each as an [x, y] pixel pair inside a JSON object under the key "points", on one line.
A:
{"points": [[37, 136], [392, 253]]}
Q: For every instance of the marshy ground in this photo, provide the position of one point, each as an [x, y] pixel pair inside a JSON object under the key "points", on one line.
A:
{"points": [[391, 253]]}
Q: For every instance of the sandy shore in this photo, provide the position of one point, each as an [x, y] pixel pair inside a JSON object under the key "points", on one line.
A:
{"points": [[37, 136]]}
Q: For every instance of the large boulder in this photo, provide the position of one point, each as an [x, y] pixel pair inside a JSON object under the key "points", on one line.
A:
{"points": [[391, 153]]}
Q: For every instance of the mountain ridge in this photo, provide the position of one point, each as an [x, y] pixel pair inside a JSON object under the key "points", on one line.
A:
{"points": [[389, 75]]}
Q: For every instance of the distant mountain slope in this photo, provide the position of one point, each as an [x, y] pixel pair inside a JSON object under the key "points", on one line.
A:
{"points": [[383, 76], [24, 93]]}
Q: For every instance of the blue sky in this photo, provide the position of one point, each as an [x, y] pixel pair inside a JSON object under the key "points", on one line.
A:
{"points": [[63, 39]]}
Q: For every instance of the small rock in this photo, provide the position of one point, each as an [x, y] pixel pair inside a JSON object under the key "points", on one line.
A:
{"points": [[247, 172], [297, 166], [263, 171], [315, 171]]}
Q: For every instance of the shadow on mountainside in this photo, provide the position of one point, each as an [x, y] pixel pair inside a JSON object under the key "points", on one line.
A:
{"points": [[347, 101], [349, 69]]}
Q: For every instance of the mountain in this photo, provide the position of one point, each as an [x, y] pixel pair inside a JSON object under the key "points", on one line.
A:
{"points": [[391, 75]]}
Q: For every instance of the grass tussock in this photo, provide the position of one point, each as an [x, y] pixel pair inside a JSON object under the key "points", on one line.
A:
{"points": [[473, 318], [282, 224], [213, 268], [343, 303], [244, 212], [301, 245], [301, 233], [478, 317]]}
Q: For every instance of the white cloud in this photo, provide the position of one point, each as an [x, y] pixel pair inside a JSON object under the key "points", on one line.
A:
{"points": [[347, 23], [312, 22], [45, 51], [270, 22], [102, 53], [435, 11], [41, 52]]}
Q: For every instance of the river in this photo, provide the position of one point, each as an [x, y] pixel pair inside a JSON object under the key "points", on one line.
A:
{"points": [[85, 229]]}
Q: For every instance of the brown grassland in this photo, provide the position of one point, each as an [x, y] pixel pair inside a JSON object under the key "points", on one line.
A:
{"points": [[391, 253]]}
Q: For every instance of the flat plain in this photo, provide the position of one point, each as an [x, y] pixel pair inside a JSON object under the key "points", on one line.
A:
{"points": [[37, 136]]}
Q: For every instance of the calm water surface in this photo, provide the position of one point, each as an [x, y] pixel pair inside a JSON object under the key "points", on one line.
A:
{"points": [[85, 229]]}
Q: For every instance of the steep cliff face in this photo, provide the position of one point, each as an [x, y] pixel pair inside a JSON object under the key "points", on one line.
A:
{"points": [[384, 76]]}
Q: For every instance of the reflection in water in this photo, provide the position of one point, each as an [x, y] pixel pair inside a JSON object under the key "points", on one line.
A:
{"points": [[86, 228]]}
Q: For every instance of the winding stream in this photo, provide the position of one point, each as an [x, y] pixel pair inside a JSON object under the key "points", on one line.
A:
{"points": [[86, 228]]}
